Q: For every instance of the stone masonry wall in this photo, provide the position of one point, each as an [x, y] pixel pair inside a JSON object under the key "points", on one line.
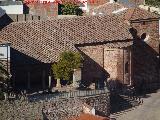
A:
{"points": [[93, 63], [145, 53], [101, 63], [24, 17], [60, 109], [43, 9]]}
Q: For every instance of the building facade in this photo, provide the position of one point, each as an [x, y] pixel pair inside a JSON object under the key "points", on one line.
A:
{"points": [[123, 48]]}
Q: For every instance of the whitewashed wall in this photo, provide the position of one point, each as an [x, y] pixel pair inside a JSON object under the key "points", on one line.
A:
{"points": [[13, 9], [3, 53]]}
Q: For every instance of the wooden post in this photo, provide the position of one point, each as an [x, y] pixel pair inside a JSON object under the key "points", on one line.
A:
{"points": [[58, 83], [49, 84], [76, 77], [28, 80], [130, 66]]}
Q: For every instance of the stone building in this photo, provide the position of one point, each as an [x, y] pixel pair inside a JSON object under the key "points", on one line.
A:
{"points": [[145, 38], [122, 47]]}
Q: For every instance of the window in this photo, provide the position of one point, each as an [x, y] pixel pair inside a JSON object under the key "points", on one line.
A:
{"points": [[126, 67]]}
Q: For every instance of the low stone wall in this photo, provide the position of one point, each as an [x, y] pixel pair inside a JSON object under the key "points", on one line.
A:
{"points": [[59, 109]]}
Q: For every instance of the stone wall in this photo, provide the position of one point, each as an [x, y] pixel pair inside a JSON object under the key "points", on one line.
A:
{"points": [[145, 51], [9, 18], [60, 109], [93, 63], [43, 9], [24, 17], [102, 63]]}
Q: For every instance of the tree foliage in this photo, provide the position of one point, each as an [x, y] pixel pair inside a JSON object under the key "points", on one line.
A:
{"points": [[155, 3], [71, 9], [3, 74], [69, 61]]}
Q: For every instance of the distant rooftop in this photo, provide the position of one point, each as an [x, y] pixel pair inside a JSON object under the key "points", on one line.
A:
{"points": [[9, 2], [89, 117]]}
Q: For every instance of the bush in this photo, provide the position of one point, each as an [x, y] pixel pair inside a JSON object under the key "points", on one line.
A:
{"points": [[71, 9], [2, 95], [69, 61], [155, 3], [4, 77]]}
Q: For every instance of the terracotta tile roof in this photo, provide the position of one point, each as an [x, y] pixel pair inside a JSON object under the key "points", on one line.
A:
{"points": [[137, 13], [131, 13], [106, 8], [44, 40], [3, 42], [89, 117]]}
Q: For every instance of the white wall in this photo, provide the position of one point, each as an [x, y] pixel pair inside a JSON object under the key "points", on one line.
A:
{"points": [[3, 53], [85, 8], [13, 9]]}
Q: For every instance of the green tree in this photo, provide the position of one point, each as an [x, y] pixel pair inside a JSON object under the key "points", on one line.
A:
{"points": [[155, 3], [4, 76], [64, 68], [71, 9]]}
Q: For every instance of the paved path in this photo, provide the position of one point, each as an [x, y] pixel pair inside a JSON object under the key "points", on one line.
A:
{"points": [[149, 110]]}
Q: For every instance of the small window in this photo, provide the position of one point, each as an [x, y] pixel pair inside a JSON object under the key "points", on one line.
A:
{"points": [[143, 23], [126, 67]]}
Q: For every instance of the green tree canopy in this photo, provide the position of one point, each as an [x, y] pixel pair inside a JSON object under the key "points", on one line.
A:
{"points": [[71, 9], [155, 3], [69, 61]]}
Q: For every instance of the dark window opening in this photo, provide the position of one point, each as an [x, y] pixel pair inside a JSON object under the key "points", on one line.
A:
{"points": [[143, 23], [126, 67]]}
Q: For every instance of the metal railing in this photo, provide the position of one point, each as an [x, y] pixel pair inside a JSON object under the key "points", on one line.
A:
{"points": [[70, 94]]}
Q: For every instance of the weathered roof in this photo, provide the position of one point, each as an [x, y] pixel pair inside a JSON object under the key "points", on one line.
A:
{"points": [[106, 8], [89, 117], [3, 42], [128, 12], [138, 13], [44, 40]]}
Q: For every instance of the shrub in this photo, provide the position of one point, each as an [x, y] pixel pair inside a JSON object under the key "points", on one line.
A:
{"points": [[69, 61], [2, 95], [155, 3], [71, 9], [4, 77]]}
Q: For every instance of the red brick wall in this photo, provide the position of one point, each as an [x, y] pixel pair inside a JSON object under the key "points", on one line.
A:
{"points": [[49, 9]]}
